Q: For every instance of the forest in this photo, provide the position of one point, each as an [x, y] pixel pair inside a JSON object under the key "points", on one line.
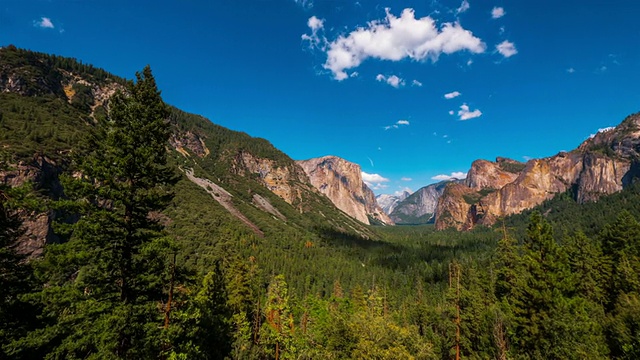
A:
{"points": [[149, 267]]}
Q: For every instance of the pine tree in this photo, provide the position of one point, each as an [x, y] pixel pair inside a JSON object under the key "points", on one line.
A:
{"points": [[104, 285]]}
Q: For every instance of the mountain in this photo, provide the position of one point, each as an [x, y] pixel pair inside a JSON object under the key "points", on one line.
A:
{"points": [[388, 202], [601, 165], [419, 207], [341, 181], [230, 182]]}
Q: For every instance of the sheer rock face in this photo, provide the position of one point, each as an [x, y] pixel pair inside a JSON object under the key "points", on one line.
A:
{"points": [[287, 182], [602, 165], [341, 181], [420, 206]]}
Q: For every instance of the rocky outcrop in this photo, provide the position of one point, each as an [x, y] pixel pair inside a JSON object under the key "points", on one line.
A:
{"points": [[189, 141], [289, 182], [388, 202], [419, 207], [42, 173], [603, 164], [341, 181]]}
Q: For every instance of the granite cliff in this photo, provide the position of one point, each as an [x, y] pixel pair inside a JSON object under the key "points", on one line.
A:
{"points": [[341, 181], [601, 165]]}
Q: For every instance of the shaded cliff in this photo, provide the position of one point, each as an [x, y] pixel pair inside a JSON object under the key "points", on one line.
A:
{"points": [[341, 181], [419, 207]]}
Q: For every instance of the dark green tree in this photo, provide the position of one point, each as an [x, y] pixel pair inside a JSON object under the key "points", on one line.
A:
{"points": [[104, 285]]}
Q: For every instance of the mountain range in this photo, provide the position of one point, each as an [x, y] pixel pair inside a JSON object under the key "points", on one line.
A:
{"points": [[48, 104]]}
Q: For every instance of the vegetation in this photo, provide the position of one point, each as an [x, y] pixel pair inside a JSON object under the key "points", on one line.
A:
{"points": [[151, 267]]}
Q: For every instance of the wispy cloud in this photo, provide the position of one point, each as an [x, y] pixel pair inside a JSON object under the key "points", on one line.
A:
{"points": [[465, 114], [571, 70], [507, 48], [416, 83], [316, 25], [307, 4], [392, 80], [452, 95], [463, 7], [456, 175], [44, 23], [406, 179], [396, 38], [397, 124], [497, 12]]}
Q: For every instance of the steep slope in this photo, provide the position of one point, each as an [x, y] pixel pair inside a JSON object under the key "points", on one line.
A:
{"points": [[601, 165], [419, 207], [341, 181], [388, 202], [48, 104]]}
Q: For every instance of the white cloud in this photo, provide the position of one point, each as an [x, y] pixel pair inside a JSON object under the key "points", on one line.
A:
{"points": [[374, 181], [459, 175], [451, 112], [44, 23], [571, 70], [507, 48], [315, 24], [397, 124], [416, 83], [601, 130], [354, 74], [497, 12], [392, 80], [396, 38], [463, 7], [452, 95], [406, 179], [307, 4], [465, 114]]}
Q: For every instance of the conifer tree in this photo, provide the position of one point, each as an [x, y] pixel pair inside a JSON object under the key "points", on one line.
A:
{"points": [[104, 285]]}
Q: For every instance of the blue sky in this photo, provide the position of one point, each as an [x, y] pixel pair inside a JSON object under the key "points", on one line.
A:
{"points": [[374, 82]]}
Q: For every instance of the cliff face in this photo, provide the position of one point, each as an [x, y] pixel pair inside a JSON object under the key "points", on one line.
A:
{"points": [[419, 207], [388, 202], [601, 165], [341, 181]]}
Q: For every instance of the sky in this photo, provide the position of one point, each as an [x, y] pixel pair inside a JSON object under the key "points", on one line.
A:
{"points": [[412, 91]]}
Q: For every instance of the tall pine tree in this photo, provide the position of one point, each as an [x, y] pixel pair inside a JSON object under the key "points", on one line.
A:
{"points": [[104, 286]]}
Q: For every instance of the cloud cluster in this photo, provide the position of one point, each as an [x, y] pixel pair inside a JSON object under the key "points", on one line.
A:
{"points": [[601, 130], [452, 95], [463, 7], [507, 48], [315, 24], [392, 80], [497, 12], [374, 181], [394, 39], [456, 175], [465, 113], [397, 124], [44, 23]]}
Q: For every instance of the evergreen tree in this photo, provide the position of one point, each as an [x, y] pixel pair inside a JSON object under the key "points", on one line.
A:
{"points": [[104, 285], [15, 281]]}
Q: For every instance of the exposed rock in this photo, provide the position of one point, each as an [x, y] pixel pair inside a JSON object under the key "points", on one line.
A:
{"points": [[284, 181], [419, 207], [602, 165], [388, 202], [341, 181], [191, 141]]}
